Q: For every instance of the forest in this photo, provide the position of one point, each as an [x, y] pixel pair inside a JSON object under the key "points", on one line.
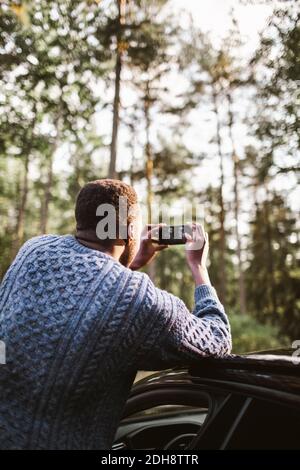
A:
{"points": [[129, 89]]}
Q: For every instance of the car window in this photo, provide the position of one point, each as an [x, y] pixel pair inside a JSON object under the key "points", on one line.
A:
{"points": [[163, 419], [265, 425]]}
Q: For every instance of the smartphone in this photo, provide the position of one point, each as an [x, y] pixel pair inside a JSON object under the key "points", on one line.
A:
{"points": [[172, 234]]}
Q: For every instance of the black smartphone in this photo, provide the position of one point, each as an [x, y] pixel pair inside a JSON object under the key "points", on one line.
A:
{"points": [[172, 234]]}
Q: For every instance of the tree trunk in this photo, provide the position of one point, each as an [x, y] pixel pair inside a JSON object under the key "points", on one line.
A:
{"points": [[222, 286], [134, 159], [149, 168], [241, 281], [22, 207], [47, 197], [20, 222], [116, 105], [148, 152], [273, 297], [49, 182], [116, 118]]}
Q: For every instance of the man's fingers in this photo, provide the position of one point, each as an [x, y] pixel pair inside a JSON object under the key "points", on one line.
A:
{"points": [[198, 232], [153, 235], [161, 247], [152, 230], [197, 240]]}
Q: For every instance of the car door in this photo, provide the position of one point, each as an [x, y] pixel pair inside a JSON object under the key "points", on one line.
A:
{"points": [[264, 424], [166, 417], [197, 416]]}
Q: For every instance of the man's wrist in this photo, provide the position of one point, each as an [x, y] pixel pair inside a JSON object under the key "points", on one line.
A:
{"points": [[200, 274]]}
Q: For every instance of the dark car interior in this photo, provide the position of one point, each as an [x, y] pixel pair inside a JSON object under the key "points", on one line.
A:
{"points": [[163, 419], [181, 417]]}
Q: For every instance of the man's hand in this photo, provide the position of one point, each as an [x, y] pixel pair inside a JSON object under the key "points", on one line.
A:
{"points": [[196, 254], [148, 249]]}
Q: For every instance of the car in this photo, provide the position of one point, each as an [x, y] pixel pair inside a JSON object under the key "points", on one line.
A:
{"points": [[238, 402]]}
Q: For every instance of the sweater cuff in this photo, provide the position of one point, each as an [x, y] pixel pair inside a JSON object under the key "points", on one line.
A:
{"points": [[205, 291]]}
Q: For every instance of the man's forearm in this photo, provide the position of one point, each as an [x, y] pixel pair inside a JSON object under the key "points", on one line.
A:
{"points": [[200, 275]]}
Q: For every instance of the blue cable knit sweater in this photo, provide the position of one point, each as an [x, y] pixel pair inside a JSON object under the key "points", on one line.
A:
{"points": [[77, 327]]}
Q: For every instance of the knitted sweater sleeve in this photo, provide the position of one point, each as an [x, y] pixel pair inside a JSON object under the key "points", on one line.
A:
{"points": [[176, 335]]}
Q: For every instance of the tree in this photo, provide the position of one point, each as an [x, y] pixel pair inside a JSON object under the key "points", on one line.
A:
{"points": [[276, 70], [120, 48], [149, 60], [129, 35], [216, 73], [273, 272]]}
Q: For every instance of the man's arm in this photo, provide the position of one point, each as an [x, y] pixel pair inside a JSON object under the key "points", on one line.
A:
{"points": [[176, 336]]}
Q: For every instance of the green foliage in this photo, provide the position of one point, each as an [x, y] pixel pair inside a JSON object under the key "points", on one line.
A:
{"points": [[273, 272], [250, 335], [277, 67]]}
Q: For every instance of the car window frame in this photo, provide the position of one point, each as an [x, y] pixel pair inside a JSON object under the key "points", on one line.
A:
{"points": [[185, 394]]}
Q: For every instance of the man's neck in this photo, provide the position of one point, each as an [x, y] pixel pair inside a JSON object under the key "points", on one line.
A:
{"points": [[89, 239]]}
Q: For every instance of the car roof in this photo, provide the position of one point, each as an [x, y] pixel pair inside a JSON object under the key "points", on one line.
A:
{"points": [[270, 360], [276, 369]]}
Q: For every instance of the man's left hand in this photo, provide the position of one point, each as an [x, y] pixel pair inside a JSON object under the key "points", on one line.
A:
{"points": [[148, 248]]}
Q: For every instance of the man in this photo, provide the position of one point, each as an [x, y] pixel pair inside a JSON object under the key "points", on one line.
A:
{"points": [[78, 322]]}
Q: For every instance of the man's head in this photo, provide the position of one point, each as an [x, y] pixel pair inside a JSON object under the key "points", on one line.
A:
{"points": [[107, 213]]}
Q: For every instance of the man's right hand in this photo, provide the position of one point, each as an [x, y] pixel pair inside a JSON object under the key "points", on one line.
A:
{"points": [[197, 253]]}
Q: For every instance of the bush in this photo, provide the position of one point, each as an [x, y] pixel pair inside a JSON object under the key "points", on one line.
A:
{"points": [[249, 335]]}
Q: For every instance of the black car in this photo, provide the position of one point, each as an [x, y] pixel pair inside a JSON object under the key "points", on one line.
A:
{"points": [[240, 402]]}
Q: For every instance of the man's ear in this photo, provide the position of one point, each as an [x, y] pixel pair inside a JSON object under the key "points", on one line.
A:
{"points": [[130, 231]]}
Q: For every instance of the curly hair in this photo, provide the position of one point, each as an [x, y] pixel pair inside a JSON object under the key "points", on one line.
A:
{"points": [[104, 191]]}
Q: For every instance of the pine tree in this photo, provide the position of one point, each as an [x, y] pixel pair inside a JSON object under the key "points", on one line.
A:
{"points": [[273, 274]]}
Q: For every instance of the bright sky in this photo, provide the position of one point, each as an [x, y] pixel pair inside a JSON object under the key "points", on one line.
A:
{"points": [[214, 16]]}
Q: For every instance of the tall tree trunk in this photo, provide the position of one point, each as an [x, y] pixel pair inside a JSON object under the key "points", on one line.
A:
{"points": [[47, 196], [22, 207], [49, 182], [148, 153], [116, 118], [132, 146], [273, 296], [116, 105], [235, 160], [223, 278], [20, 222], [149, 167]]}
